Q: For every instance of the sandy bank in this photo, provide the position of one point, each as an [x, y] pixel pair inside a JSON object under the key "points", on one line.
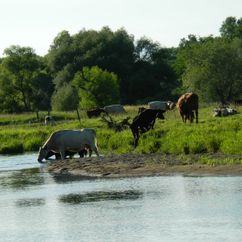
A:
{"points": [[133, 165]]}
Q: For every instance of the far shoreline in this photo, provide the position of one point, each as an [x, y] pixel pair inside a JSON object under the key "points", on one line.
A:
{"points": [[139, 165]]}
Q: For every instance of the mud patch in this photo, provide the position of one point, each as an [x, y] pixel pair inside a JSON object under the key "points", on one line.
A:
{"points": [[133, 165]]}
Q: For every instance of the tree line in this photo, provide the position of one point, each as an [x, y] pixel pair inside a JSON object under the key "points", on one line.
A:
{"points": [[96, 68]]}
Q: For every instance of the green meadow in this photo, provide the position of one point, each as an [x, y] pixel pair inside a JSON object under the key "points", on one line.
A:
{"points": [[212, 135]]}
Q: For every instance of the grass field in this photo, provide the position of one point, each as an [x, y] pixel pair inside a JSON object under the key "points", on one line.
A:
{"points": [[23, 133]]}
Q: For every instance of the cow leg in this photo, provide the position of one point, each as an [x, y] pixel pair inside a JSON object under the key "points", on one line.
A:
{"points": [[62, 154], [90, 152], [196, 113], [136, 137], [93, 148], [183, 118], [57, 156], [152, 124], [191, 116], [136, 140]]}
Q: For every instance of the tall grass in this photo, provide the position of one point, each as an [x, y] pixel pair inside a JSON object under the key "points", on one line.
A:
{"points": [[169, 136]]}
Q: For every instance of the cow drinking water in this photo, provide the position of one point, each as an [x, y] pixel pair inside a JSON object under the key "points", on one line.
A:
{"points": [[69, 140]]}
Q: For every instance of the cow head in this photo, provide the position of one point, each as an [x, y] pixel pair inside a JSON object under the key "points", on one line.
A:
{"points": [[42, 154]]}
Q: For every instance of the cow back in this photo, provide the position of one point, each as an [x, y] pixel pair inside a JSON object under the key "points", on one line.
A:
{"points": [[188, 102], [147, 116], [70, 139], [115, 109]]}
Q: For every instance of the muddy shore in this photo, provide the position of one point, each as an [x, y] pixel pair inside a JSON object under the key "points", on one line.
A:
{"points": [[135, 165]]}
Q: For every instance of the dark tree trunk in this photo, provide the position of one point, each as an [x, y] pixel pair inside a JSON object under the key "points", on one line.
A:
{"points": [[78, 115]]}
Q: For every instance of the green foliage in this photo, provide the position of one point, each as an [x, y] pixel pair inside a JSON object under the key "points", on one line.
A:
{"points": [[210, 66], [144, 68], [231, 28], [33, 143], [12, 147], [213, 68], [65, 99], [24, 83], [97, 87]]}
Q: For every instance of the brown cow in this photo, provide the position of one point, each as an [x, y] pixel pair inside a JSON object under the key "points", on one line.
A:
{"points": [[186, 104]]}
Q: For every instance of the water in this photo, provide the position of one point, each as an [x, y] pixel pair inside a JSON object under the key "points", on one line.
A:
{"points": [[35, 206]]}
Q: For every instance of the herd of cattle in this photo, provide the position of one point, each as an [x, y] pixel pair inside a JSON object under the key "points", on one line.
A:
{"points": [[66, 143]]}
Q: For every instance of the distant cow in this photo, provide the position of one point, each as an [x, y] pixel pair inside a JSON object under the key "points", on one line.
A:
{"points": [[223, 111], [144, 122], [95, 112], [69, 140], [114, 109], [49, 120], [162, 105], [186, 104]]}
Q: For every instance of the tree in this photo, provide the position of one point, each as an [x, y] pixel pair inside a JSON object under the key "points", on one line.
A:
{"points": [[23, 80], [65, 99], [152, 76], [213, 69], [144, 68], [42, 89], [111, 51], [231, 28], [97, 87]]}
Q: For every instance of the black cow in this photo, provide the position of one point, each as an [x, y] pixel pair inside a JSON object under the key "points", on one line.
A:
{"points": [[141, 109], [95, 112], [144, 122]]}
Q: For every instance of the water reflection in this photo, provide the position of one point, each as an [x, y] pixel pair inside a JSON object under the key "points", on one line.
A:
{"points": [[64, 178], [100, 196], [35, 206], [21, 179], [30, 202]]}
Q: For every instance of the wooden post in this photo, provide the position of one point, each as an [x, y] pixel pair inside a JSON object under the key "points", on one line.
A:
{"points": [[78, 115]]}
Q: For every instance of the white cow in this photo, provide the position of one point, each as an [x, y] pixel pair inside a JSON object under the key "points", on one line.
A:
{"points": [[162, 105], [49, 120], [69, 140], [115, 108]]}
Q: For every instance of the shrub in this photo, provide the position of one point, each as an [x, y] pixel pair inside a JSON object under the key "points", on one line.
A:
{"points": [[14, 147]]}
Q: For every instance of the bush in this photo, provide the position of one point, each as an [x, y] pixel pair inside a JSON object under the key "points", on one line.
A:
{"points": [[13, 147]]}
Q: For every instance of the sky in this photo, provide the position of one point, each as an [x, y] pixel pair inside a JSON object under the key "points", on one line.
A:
{"points": [[35, 23]]}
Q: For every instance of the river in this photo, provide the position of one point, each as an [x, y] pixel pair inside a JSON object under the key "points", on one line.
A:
{"points": [[35, 206]]}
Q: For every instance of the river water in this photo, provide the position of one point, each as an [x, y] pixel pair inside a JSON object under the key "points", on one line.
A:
{"points": [[35, 206]]}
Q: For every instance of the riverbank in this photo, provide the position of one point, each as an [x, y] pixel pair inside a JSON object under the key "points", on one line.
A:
{"points": [[135, 165]]}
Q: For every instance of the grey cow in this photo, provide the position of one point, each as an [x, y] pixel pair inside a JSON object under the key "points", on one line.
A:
{"points": [[69, 140]]}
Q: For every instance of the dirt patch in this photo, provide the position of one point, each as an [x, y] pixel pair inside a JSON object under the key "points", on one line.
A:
{"points": [[133, 165]]}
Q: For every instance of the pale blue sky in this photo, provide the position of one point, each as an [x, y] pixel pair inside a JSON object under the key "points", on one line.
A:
{"points": [[36, 23]]}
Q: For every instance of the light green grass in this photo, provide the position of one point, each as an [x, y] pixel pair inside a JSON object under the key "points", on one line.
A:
{"points": [[169, 136]]}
